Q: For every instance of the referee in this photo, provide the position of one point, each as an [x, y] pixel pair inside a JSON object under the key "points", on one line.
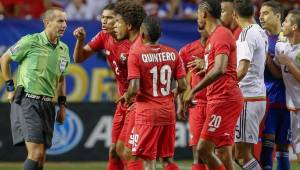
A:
{"points": [[43, 60]]}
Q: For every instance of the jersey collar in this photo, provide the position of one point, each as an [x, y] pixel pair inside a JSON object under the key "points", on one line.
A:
{"points": [[47, 42]]}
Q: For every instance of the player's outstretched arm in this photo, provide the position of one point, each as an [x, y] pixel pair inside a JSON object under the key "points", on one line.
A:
{"points": [[242, 69], [218, 70], [81, 52], [6, 72]]}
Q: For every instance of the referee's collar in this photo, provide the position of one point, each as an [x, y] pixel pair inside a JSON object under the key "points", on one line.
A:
{"points": [[47, 42]]}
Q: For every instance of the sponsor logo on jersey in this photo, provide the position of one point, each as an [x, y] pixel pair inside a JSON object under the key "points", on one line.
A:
{"points": [[66, 136]]}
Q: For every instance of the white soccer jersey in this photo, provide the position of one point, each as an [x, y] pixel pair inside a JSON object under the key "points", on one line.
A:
{"points": [[252, 45], [292, 86]]}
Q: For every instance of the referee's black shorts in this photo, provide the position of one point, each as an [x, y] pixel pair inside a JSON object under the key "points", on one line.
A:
{"points": [[32, 121]]}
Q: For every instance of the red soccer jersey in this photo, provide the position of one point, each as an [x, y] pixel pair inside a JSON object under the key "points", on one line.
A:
{"points": [[225, 88], [117, 53], [236, 32], [186, 53], [156, 66]]}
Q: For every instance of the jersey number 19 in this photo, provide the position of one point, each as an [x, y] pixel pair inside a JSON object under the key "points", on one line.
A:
{"points": [[164, 78]]}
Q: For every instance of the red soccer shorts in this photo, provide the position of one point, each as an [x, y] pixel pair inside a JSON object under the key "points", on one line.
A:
{"points": [[118, 122], [221, 118], [197, 116], [151, 142], [128, 126]]}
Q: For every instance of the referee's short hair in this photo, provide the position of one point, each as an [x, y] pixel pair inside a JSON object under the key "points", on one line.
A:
{"points": [[244, 8], [50, 13], [275, 7], [212, 6]]}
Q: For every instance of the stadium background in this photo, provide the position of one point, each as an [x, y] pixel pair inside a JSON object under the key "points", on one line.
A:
{"points": [[91, 90]]}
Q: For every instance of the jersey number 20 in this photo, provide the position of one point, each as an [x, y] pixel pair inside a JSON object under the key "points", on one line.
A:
{"points": [[164, 79]]}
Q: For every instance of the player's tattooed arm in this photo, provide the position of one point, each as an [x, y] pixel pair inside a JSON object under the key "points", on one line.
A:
{"points": [[218, 70], [134, 86]]}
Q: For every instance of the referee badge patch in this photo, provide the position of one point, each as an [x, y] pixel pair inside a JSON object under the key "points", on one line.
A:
{"points": [[13, 49], [63, 64]]}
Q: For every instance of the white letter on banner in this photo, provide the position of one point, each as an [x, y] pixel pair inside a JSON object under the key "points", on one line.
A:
{"points": [[102, 132], [181, 139]]}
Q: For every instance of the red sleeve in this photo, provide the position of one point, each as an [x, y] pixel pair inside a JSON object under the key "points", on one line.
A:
{"points": [[133, 66], [223, 42], [97, 43], [180, 71], [184, 56]]}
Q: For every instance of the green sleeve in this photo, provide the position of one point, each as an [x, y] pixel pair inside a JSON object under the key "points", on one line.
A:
{"points": [[20, 49], [67, 54]]}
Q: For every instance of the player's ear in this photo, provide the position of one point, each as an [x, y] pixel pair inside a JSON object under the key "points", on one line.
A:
{"points": [[205, 13], [294, 27], [129, 27]]}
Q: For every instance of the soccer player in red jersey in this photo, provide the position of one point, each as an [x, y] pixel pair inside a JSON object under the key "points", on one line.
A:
{"points": [[224, 98], [151, 69], [228, 18], [117, 48], [190, 53], [129, 17]]}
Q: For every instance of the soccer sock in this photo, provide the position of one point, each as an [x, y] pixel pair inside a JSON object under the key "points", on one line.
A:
{"points": [[198, 167], [30, 165], [283, 160], [252, 165], [266, 158], [171, 166], [115, 164], [135, 165]]}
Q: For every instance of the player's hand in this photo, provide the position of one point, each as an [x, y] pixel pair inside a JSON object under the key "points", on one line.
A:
{"points": [[10, 96], [188, 100], [283, 59], [197, 64], [121, 99], [79, 33], [175, 93], [181, 113], [61, 114]]}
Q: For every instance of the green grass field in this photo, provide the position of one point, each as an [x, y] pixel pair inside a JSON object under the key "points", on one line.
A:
{"points": [[183, 165]]}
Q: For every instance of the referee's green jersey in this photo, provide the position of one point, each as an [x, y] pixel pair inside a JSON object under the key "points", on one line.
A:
{"points": [[40, 63]]}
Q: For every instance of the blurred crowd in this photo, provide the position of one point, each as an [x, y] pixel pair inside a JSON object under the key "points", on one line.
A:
{"points": [[90, 9]]}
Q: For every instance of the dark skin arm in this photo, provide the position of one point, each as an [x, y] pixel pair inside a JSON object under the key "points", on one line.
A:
{"points": [[218, 70], [134, 86]]}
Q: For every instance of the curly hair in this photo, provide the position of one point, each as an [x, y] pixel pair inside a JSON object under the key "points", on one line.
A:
{"points": [[131, 12]]}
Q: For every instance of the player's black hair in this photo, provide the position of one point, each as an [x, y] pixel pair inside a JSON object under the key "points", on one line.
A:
{"points": [[131, 12], [244, 8], [212, 6], [227, 1], [295, 17], [152, 27], [110, 6]]}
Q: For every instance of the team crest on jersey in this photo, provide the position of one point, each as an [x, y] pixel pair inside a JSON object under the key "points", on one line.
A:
{"points": [[123, 58], [208, 48], [63, 65]]}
